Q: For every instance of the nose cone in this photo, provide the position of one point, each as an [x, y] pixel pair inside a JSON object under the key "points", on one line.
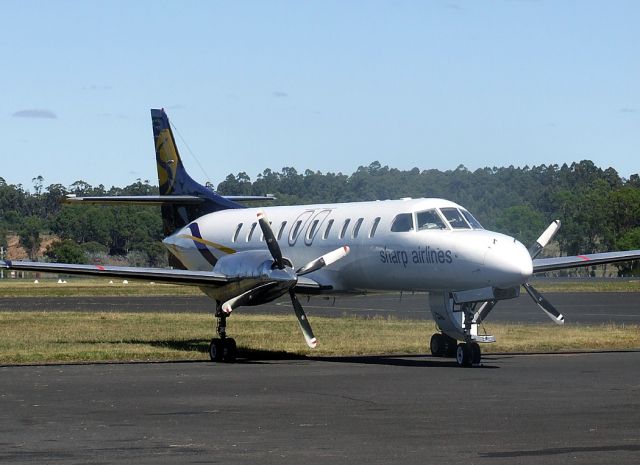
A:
{"points": [[508, 262]]}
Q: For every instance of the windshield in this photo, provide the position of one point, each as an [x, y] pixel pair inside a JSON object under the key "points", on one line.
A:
{"points": [[429, 219], [475, 224], [455, 218]]}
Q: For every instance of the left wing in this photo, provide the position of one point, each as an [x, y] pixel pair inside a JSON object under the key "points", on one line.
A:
{"points": [[561, 263], [162, 275], [188, 277]]}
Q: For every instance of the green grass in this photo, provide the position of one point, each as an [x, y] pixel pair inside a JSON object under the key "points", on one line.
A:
{"points": [[587, 285], [83, 287], [41, 337]]}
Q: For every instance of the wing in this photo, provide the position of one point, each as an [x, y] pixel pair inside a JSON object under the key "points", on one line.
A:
{"points": [[560, 263], [188, 277]]}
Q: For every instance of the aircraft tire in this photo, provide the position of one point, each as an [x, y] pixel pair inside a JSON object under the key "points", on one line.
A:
{"points": [[476, 353], [451, 346], [463, 355], [438, 345], [230, 350], [216, 351]]}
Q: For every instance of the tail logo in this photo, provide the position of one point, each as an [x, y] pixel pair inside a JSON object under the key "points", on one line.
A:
{"points": [[167, 161]]}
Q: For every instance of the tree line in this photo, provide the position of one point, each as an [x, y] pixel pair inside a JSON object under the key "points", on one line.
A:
{"points": [[599, 209]]}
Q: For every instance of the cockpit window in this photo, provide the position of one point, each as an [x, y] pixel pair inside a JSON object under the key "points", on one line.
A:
{"points": [[402, 223], [475, 224], [455, 218], [429, 219]]}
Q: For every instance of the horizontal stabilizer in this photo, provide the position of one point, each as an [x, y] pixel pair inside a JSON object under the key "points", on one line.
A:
{"points": [[158, 199]]}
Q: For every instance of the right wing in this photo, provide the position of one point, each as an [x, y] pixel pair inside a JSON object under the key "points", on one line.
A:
{"points": [[561, 263]]}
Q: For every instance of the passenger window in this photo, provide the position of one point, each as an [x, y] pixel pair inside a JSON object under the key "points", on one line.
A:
{"points": [[376, 222], [295, 231], [455, 218], [356, 228], [402, 223], [311, 232], [475, 224], [343, 231], [237, 233], [430, 219], [253, 227], [326, 231], [282, 226]]}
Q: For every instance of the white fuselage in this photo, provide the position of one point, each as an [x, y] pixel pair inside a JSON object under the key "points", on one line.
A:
{"points": [[448, 251]]}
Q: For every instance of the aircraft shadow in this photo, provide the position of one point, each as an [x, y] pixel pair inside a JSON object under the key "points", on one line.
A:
{"points": [[423, 361], [244, 355], [248, 356]]}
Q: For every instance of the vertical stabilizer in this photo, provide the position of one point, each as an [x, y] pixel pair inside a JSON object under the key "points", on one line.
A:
{"points": [[173, 179]]}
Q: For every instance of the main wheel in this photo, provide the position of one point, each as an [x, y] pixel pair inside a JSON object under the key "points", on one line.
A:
{"points": [[451, 346], [230, 350], [476, 354], [463, 355], [216, 351], [438, 345]]}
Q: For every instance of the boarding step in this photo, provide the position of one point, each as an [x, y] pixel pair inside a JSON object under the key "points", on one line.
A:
{"points": [[486, 339]]}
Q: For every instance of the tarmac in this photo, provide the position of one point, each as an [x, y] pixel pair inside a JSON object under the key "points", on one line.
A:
{"points": [[536, 409], [578, 307]]}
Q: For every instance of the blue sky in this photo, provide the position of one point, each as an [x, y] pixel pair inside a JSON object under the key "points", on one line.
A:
{"points": [[324, 86]]}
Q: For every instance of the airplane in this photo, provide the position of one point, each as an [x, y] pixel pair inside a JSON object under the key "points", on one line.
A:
{"points": [[242, 256]]}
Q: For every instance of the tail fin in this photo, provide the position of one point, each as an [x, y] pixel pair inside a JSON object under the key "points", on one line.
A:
{"points": [[174, 180]]}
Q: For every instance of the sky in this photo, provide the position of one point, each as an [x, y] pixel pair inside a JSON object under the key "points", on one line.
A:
{"points": [[322, 85]]}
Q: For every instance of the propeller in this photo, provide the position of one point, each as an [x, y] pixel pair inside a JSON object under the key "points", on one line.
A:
{"points": [[544, 304], [313, 265], [538, 298], [270, 238]]}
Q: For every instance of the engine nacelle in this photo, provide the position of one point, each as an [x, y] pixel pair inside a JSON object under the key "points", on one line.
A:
{"points": [[249, 264]]}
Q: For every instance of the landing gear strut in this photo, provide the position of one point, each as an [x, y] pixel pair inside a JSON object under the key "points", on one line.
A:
{"points": [[223, 349], [468, 353]]}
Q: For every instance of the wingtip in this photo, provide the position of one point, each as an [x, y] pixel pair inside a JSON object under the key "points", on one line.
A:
{"points": [[312, 343]]}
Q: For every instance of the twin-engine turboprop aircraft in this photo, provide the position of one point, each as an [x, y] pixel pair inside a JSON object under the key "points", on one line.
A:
{"points": [[248, 256]]}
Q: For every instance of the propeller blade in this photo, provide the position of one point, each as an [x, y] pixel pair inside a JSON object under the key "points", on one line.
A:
{"points": [[244, 298], [326, 259], [544, 304], [303, 321], [544, 239], [270, 238]]}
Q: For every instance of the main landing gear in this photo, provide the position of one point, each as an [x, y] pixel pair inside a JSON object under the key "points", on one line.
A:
{"points": [[223, 349], [466, 353]]}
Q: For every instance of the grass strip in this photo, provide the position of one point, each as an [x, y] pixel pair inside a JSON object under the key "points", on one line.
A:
{"points": [[91, 287], [42, 337]]}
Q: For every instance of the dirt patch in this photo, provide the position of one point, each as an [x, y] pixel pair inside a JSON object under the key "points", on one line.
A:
{"points": [[16, 252]]}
